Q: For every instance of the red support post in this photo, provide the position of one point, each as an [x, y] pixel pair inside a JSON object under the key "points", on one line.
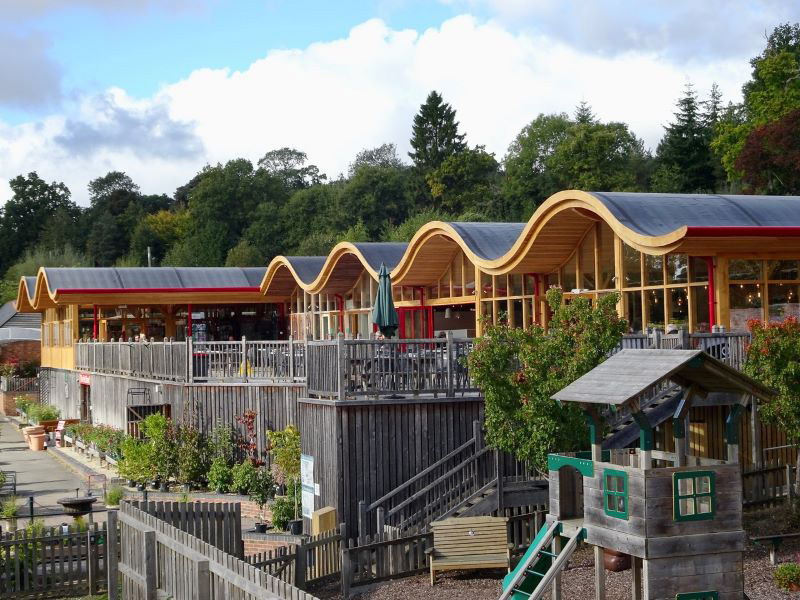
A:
{"points": [[712, 299], [188, 321], [94, 322]]}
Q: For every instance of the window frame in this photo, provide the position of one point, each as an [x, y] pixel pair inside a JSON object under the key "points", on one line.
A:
{"points": [[677, 497], [614, 493]]}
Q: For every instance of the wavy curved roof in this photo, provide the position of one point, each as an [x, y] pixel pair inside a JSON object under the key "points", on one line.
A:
{"points": [[54, 285]]}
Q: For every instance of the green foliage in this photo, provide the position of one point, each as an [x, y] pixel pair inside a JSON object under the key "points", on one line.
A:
{"points": [[244, 476], [282, 512], [34, 258], [37, 413], [9, 508], [285, 451], [434, 134], [163, 437], [23, 404], [404, 231], [222, 444], [138, 462], [262, 488], [786, 575], [467, 180], [114, 495], [104, 438], [193, 457], [2, 478], [519, 370], [384, 155], [773, 358], [220, 476], [244, 254]]}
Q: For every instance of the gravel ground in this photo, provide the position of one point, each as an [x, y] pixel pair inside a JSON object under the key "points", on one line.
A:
{"points": [[577, 582]]}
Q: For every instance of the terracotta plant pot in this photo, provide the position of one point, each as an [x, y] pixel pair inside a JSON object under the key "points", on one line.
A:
{"points": [[37, 441], [794, 587], [27, 431], [616, 561]]}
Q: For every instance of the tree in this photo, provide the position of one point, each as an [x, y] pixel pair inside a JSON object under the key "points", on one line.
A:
{"points": [[159, 231], [403, 232], [289, 166], [434, 134], [519, 370], [467, 180], [769, 160], [244, 254], [685, 147], [29, 265], [384, 155], [584, 114], [374, 196]]}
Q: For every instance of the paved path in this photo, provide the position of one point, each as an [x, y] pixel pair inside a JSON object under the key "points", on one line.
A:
{"points": [[38, 475]]}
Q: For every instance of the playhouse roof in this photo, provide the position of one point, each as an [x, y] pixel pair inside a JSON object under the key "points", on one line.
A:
{"points": [[629, 373]]}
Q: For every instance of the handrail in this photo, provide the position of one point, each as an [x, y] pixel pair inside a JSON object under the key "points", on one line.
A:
{"points": [[421, 474], [522, 573], [556, 567]]}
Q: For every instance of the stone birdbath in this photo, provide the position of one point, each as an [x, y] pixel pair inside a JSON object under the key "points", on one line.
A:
{"points": [[77, 506]]}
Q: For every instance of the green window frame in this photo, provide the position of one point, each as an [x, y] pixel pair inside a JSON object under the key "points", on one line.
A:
{"points": [[694, 495], [615, 493], [698, 596]]}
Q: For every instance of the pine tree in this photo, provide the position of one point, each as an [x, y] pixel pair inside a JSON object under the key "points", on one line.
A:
{"points": [[685, 149], [584, 114], [434, 135]]}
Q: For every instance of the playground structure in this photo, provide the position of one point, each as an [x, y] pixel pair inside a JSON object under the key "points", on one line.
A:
{"points": [[678, 516]]}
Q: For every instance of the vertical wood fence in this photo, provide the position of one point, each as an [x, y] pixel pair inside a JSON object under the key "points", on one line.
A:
{"points": [[53, 563], [768, 485]]}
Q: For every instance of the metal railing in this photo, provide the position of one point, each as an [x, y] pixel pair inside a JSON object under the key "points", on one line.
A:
{"points": [[19, 384]]}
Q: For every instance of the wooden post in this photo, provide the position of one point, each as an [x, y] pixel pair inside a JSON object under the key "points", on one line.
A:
{"points": [[300, 566], [362, 521], [290, 374], [636, 571], [189, 360], [599, 574], [789, 486], [755, 433], [340, 359], [149, 562], [202, 580], [91, 565], [346, 569], [556, 548], [380, 521], [498, 460], [112, 555]]}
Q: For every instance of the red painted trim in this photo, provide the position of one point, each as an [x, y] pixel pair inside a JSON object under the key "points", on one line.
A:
{"points": [[340, 305], [712, 300], [94, 322], [751, 231], [156, 290]]}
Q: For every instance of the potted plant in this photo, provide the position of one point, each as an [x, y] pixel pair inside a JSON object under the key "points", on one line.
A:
{"points": [[243, 476], [282, 512], [787, 576], [285, 452], [160, 436], [220, 476], [193, 457], [262, 490], [137, 463]]}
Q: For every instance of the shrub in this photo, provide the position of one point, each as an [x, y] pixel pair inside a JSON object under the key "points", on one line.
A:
{"points": [[23, 404], [104, 438], [137, 461], [787, 574], [161, 436], [262, 488], [9, 508], [222, 444], [285, 451], [27, 368], [282, 512], [193, 462], [244, 475], [220, 475], [43, 412], [114, 495], [2, 478]]}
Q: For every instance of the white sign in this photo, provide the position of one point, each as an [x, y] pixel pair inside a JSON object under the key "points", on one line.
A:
{"points": [[308, 502], [307, 481]]}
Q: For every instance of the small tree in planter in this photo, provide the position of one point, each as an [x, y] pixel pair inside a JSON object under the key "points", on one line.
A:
{"points": [[244, 475], [137, 464], [222, 444], [262, 490], [285, 451], [220, 476], [161, 436], [193, 457]]}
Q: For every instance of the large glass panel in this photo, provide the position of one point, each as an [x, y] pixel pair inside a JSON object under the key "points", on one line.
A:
{"points": [[654, 269], [783, 270], [433, 292], [516, 308], [487, 288], [699, 268], [587, 262], [568, 276], [783, 301], [744, 270], [745, 304], [677, 268], [530, 285], [501, 286], [700, 303], [678, 307], [605, 245], [633, 311], [469, 281], [632, 266], [655, 308], [515, 285]]}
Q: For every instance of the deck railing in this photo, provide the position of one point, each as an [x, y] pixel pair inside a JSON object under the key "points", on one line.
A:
{"points": [[239, 361], [19, 384]]}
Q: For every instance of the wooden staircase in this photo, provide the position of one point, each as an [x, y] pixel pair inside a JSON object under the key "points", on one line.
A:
{"points": [[659, 405]]}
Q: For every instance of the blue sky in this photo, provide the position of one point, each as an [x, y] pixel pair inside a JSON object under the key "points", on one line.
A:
{"points": [[159, 88]]}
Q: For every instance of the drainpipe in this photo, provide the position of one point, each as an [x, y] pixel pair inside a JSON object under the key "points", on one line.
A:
{"points": [[712, 298]]}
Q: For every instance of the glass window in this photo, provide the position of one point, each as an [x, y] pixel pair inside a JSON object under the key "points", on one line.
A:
{"points": [[631, 263], [501, 286], [568, 275], [693, 495], [605, 246], [699, 268], [516, 310], [587, 262], [487, 289], [783, 270], [654, 269], [615, 493], [745, 304], [744, 270], [633, 311], [655, 308], [783, 301], [699, 296], [679, 307], [468, 288], [530, 285], [677, 268]]}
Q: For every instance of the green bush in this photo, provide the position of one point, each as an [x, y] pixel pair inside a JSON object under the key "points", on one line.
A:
{"points": [[262, 488], [162, 437], [222, 444], [9, 508], [244, 475], [114, 495], [2, 478], [220, 475], [193, 461], [282, 512], [137, 462], [43, 412], [787, 574], [104, 438], [23, 404]]}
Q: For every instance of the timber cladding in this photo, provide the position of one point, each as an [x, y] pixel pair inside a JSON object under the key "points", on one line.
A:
{"points": [[363, 450]]}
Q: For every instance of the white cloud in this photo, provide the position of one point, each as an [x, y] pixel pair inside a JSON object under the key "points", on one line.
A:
{"points": [[334, 98]]}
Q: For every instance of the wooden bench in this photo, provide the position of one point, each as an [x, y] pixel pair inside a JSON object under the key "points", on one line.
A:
{"points": [[469, 543], [775, 541]]}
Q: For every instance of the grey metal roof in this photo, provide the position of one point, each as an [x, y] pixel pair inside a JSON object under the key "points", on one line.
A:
{"points": [[153, 278], [306, 267], [30, 285], [388, 253], [659, 214], [19, 334], [629, 373], [10, 318], [489, 240]]}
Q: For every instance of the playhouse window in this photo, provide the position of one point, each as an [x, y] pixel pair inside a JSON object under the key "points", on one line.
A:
{"points": [[615, 493], [693, 495], [698, 596]]}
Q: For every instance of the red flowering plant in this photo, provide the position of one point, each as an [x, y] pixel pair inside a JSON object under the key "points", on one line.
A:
{"points": [[773, 358], [519, 370], [248, 444]]}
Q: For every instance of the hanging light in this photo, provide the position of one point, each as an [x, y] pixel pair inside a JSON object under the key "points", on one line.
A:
{"points": [[448, 313]]}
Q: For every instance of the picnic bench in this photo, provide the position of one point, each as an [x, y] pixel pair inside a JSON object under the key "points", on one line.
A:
{"points": [[775, 542], [469, 543]]}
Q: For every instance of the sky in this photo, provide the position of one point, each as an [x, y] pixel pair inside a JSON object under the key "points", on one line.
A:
{"points": [[160, 88]]}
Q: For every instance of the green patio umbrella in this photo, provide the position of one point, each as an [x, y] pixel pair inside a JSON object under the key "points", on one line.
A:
{"points": [[384, 314]]}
